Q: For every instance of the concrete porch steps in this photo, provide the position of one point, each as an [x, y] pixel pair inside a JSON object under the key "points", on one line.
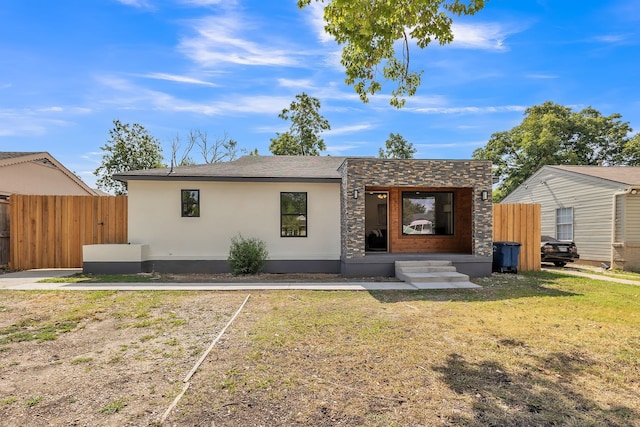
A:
{"points": [[438, 274]]}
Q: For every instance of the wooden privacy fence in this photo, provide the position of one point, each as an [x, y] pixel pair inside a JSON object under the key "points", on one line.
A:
{"points": [[519, 223], [4, 232], [49, 231]]}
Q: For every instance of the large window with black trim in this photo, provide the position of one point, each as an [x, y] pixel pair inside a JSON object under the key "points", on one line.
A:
{"points": [[190, 203], [293, 214], [427, 213]]}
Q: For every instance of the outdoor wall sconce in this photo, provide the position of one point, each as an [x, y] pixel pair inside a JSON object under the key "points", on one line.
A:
{"points": [[484, 195], [355, 194]]}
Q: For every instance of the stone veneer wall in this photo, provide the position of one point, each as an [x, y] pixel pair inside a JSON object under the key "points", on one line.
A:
{"points": [[357, 174]]}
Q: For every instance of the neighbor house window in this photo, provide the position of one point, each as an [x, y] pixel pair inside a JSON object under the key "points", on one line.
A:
{"points": [[293, 214], [190, 203], [564, 224], [427, 213]]}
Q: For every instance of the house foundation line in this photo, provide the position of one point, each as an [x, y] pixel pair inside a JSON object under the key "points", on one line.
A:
{"points": [[206, 353]]}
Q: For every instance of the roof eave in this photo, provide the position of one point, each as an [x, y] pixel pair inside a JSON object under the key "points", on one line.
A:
{"points": [[126, 178]]}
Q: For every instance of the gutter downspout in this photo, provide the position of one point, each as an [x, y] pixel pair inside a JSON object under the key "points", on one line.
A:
{"points": [[617, 194]]}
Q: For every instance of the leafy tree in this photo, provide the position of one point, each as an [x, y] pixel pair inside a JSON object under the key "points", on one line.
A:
{"points": [[286, 144], [303, 138], [130, 147], [397, 148], [631, 151], [371, 30], [552, 134]]}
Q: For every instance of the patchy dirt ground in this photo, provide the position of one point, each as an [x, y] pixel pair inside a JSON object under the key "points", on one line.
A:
{"points": [[112, 368], [518, 352], [261, 278]]}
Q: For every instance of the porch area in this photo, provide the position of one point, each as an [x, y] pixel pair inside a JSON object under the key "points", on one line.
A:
{"points": [[383, 264]]}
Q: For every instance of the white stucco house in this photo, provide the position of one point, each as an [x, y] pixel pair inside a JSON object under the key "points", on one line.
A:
{"points": [[316, 214], [597, 207]]}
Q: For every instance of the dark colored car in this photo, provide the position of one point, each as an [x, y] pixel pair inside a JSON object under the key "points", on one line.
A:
{"points": [[557, 251]]}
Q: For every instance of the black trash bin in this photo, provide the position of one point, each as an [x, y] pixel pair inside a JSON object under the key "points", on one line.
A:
{"points": [[505, 256]]}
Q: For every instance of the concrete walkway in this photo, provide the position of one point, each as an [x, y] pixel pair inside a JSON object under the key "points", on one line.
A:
{"points": [[25, 279], [584, 272], [28, 280]]}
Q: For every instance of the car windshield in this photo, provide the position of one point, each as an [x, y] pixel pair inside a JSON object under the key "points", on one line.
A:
{"points": [[548, 239]]}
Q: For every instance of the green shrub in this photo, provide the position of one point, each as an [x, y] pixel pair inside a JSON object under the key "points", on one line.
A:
{"points": [[247, 256]]}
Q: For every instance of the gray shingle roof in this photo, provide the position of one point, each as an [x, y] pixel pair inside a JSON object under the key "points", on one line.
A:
{"points": [[248, 168], [12, 154], [623, 174]]}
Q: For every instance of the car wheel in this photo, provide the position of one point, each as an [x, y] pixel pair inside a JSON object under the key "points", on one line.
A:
{"points": [[559, 263]]}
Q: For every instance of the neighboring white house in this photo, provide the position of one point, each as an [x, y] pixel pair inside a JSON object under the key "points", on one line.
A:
{"points": [[38, 173], [315, 214], [598, 207]]}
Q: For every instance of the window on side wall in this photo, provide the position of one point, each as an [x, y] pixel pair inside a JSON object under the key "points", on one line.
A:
{"points": [[293, 214], [427, 213], [190, 203], [564, 224]]}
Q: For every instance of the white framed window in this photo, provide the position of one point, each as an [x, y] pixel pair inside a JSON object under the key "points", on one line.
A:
{"points": [[564, 224]]}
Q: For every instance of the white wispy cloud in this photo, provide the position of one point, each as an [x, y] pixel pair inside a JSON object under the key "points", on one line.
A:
{"points": [[271, 105], [25, 122], [296, 83], [540, 76], [140, 4], [426, 101], [315, 16], [467, 110], [93, 156], [205, 3], [123, 94], [178, 79], [60, 109], [50, 109], [485, 36], [349, 129], [610, 38], [339, 149], [130, 96], [221, 39], [422, 146], [332, 59]]}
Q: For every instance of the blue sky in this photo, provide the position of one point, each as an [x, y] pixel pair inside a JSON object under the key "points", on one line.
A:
{"points": [[68, 68]]}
